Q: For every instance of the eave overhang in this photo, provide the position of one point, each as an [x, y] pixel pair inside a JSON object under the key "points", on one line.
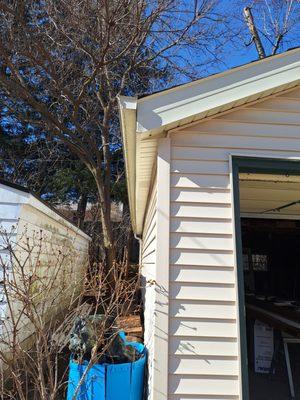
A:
{"points": [[146, 119], [127, 111]]}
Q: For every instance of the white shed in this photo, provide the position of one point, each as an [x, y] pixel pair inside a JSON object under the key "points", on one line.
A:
{"points": [[43, 242], [213, 173]]}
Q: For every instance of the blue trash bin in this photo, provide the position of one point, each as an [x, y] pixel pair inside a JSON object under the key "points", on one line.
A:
{"points": [[109, 381]]}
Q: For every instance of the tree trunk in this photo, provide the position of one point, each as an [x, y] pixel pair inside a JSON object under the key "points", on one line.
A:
{"points": [[104, 189], [109, 246], [255, 36], [81, 208], [127, 252], [107, 231]]}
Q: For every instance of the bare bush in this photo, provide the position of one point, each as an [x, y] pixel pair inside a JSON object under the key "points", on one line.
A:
{"points": [[41, 300]]}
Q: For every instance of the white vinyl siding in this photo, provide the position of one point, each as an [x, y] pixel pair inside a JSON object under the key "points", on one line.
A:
{"points": [[31, 227], [148, 271], [10, 207], [203, 312]]}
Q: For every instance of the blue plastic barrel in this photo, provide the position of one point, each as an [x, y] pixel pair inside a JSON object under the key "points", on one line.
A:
{"points": [[109, 381]]}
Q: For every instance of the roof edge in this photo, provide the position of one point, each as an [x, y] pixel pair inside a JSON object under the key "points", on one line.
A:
{"points": [[155, 115], [217, 74], [167, 109]]}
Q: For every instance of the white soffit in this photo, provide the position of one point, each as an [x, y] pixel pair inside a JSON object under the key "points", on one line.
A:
{"points": [[127, 115], [144, 120]]}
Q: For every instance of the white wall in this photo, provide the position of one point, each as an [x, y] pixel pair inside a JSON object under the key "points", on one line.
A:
{"points": [[54, 242], [48, 245], [203, 313], [10, 207]]}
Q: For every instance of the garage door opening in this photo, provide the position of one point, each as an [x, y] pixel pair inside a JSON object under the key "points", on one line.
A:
{"points": [[269, 209]]}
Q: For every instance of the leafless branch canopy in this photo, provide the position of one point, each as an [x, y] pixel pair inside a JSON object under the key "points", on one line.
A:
{"points": [[273, 24], [63, 64]]}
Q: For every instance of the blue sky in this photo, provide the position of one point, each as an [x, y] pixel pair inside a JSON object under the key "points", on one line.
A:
{"points": [[235, 52], [242, 54]]}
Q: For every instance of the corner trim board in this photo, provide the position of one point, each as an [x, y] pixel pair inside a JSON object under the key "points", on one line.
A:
{"points": [[161, 317]]}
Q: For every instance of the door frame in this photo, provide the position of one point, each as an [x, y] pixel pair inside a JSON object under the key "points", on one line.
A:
{"points": [[249, 164]]}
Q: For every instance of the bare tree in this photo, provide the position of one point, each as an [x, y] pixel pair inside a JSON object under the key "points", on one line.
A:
{"points": [[255, 36], [63, 64], [273, 25]]}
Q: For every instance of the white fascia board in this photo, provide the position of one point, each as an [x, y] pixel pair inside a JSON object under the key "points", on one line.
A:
{"points": [[127, 111], [160, 111]]}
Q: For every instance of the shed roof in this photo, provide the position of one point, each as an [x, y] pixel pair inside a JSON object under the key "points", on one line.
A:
{"points": [[144, 120]]}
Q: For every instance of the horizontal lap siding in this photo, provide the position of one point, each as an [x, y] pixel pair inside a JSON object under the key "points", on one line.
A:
{"points": [[192, 273], [51, 248], [200, 309], [57, 252], [203, 348], [204, 241], [9, 214], [214, 385], [50, 237], [148, 261], [203, 327], [38, 239]]}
